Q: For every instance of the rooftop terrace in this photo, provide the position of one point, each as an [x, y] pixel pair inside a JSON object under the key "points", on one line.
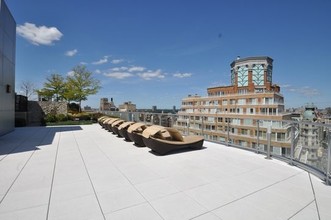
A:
{"points": [[85, 172]]}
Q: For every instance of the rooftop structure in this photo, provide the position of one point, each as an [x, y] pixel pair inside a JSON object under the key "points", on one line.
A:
{"points": [[84, 172], [127, 107], [251, 99], [105, 105], [7, 69]]}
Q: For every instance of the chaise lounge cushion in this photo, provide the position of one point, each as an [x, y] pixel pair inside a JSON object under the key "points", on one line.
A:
{"points": [[157, 132], [136, 127], [163, 139], [125, 125]]}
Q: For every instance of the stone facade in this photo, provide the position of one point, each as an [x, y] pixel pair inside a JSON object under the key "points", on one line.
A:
{"points": [[38, 109], [49, 107]]}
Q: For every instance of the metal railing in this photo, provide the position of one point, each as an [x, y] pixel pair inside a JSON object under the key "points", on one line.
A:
{"points": [[300, 143]]}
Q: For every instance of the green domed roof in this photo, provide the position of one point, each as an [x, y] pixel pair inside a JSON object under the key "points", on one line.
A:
{"points": [[309, 113]]}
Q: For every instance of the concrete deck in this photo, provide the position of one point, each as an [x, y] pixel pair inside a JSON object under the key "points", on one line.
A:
{"points": [[85, 172]]}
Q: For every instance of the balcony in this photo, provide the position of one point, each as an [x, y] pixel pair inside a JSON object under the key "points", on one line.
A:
{"points": [[85, 172]]}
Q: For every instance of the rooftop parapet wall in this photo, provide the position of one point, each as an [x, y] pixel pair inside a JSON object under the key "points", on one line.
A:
{"points": [[49, 107]]}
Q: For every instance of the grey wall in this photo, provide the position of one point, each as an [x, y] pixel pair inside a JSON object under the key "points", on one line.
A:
{"points": [[7, 69]]}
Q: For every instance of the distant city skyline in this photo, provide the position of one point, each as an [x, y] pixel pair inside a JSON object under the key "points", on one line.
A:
{"points": [[158, 52]]}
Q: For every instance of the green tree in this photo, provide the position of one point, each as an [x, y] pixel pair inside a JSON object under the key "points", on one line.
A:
{"points": [[54, 87], [80, 84]]}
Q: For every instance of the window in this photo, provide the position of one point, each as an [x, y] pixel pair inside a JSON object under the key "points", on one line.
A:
{"points": [[236, 121], [244, 131], [233, 77], [280, 136], [242, 76], [248, 121], [258, 74], [252, 101], [242, 91], [259, 90], [241, 101], [268, 101], [269, 74]]}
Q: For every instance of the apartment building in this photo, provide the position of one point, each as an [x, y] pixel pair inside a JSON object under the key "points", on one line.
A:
{"points": [[241, 113], [313, 139]]}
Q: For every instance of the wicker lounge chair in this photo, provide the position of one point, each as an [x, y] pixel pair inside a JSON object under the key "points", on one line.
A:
{"points": [[114, 126], [102, 119], [135, 133], [163, 140], [105, 122], [123, 129], [109, 122]]}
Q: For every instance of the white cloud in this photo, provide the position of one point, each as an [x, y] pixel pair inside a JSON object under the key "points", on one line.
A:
{"points": [[97, 71], [285, 86], [71, 53], [101, 61], [39, 35], [305, 91], [119, 69], [136, 69], [118, 75], [117, 61], [70, 73], [182, 75], [152, 74]]}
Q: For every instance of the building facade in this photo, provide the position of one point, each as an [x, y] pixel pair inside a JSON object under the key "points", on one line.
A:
{"points": [[242, 112], [127, 107], [312, 139], [105, 105], [7, 69]]}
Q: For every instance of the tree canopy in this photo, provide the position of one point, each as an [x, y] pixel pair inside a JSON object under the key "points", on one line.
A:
{"points": [[54, 87], [77, 86], [80, 84]]}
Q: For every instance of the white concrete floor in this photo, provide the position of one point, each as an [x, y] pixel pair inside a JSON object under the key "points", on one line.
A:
{"points": [[85, 172]]}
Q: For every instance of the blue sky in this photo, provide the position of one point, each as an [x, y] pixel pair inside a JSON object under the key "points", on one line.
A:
{"points": [[154, 52]]}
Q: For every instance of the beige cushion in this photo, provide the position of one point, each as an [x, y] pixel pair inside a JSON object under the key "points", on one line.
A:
{"points": [[175, 134], [117, 122], [135, 127], [125, 125]]}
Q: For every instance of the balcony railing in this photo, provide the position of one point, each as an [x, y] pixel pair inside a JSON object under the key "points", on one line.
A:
{"points": [[285, 140]]}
